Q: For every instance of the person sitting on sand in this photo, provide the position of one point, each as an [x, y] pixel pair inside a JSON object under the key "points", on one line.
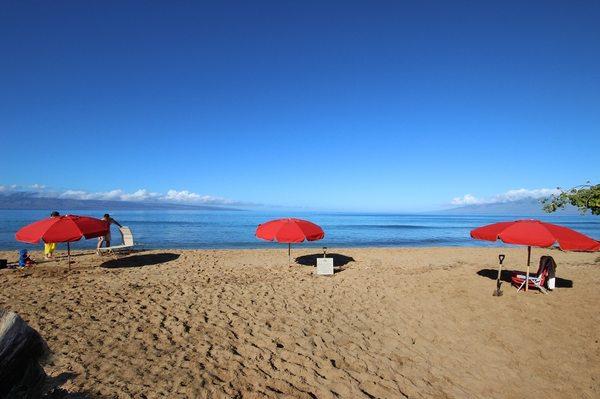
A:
{"points": [[49, 247], [106, 238], [24, 259]]}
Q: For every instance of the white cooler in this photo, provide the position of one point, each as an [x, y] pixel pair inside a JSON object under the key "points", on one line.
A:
{"points": [[324, 266]]}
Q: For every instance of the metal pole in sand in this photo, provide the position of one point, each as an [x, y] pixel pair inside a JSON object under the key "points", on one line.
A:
{"points": [[528, 262], [498, 291]]}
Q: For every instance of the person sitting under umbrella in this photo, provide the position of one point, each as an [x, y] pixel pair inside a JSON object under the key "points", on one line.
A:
{"points": [[25, 259], [106, 238]]}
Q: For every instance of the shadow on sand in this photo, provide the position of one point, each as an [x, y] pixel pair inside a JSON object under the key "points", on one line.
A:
{"points": [[53, 388], [492, 274], [60, 393], [140, 260], [311, 260]]}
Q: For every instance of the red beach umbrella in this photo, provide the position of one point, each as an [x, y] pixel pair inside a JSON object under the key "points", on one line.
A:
{"points": [[66, 228], [537, 234], [289, 230]]}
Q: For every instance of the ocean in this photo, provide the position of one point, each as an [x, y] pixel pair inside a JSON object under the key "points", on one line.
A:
{"points": [[235, 229]]}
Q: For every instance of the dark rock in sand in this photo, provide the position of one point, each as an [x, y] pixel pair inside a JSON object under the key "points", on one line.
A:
{"points": [[21, 351]]}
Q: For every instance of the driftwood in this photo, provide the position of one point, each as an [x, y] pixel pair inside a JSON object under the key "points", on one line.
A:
{"points": [[21, 350]]}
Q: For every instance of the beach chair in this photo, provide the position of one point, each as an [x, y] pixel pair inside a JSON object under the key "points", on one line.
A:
{"points": [[127, 245], [537, 280]]}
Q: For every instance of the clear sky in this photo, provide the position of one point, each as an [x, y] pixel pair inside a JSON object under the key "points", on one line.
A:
{"points": [[342, 105]]}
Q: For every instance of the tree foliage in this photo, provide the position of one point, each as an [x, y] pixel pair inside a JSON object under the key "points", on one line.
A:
{"points": [[586, 198]]}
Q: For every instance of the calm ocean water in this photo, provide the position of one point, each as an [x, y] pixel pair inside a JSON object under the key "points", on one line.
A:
{"points": [[235, 229]]}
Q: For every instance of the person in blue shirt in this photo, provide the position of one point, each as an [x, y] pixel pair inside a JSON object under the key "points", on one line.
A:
{"points": [[24, 259]]}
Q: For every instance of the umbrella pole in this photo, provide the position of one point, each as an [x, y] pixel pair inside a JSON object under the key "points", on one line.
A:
{"points": [[69, 254], [289, 253], [528, 262]]}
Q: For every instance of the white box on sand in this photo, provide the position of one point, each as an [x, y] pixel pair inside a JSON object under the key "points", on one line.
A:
{"points": [[325, 266]]}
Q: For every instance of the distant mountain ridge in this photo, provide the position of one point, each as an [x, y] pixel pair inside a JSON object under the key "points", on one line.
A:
{"points": [[25, 201], [527, 206]]}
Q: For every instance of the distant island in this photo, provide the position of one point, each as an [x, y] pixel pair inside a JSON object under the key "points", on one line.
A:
{"points": [[527, 206], [26, 201]]}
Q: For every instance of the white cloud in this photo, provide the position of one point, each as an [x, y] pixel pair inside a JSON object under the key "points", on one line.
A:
{"points": [[85, 195], [509, 196], [18, 187], [190, 197], [467, 199], [75, 194], [113, 195], [140, 195], [183, 196], [514, 195]]}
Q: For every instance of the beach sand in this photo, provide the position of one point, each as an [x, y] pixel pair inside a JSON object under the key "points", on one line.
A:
{"points": [[392, 323]]}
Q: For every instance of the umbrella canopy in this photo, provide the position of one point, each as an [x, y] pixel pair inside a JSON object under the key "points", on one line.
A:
{"points": [[289, 230], [67, 228], [537, 234]]}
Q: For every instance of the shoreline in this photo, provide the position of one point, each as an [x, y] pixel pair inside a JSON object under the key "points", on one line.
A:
{"points": [[274, 247]]}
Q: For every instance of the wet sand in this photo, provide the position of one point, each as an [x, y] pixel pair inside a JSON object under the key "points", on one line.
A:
{"points": [[391, 323]]}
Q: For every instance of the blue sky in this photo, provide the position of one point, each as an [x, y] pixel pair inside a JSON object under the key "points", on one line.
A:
{"points": [[341, 105]]}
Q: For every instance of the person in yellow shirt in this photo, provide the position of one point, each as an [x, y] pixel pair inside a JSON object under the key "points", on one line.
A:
{"points": [[49, 247]]}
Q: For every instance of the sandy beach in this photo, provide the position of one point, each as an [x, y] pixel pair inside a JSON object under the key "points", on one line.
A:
{"points": [[391, 323]]}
